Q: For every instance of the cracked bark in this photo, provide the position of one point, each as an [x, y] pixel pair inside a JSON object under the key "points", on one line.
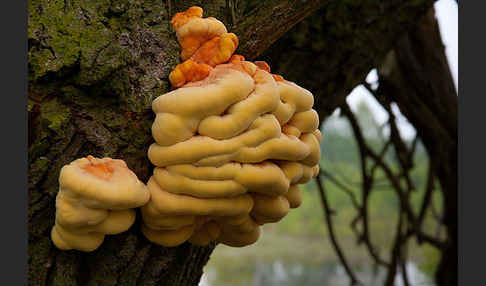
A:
{"points": [[96, 66]]}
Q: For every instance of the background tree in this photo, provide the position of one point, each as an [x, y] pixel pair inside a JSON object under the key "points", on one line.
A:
{"points": [[95, 67]]}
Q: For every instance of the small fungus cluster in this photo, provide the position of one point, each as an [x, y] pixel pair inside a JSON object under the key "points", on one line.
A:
{"points": [[96, 197], [232, 143]]}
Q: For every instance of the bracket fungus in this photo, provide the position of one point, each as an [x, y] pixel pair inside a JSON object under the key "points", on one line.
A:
{"points": [[96, 197], [232, 143]]}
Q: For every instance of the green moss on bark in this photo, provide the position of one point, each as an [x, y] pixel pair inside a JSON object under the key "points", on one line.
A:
{"points": [[57, 30], [55, 115]]}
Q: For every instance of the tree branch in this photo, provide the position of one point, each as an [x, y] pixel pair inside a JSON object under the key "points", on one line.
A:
{"points": [[345, 189], [429, 188], [366, 186], [330, 227], [396, 252], [404, 156], [403, 265], [269, 21]]}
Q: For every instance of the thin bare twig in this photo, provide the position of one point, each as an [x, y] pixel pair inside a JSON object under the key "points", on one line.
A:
{"points": [[330, 227], [345, 189], [399, 175], [403, 270], [429, 188], [366, 187], [404, 156], [396, 253]]}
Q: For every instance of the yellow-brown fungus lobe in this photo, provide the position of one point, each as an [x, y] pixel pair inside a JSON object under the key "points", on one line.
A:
{"points": [[182, 18], [88, 208], [232, 143], [189, 71], [217, 50], [205, 43], [278, 77], [263, 65]]}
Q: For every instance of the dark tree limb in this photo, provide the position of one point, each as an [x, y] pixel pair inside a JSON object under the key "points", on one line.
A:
{"points": [[267, 22], [403, 266], [395, 253], [417, 77], [426, 201]]}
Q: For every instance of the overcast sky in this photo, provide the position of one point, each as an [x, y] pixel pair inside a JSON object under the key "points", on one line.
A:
{"points": [[446, 12]]}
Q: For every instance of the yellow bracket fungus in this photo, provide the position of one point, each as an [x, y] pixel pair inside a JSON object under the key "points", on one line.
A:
{"points": [[232, 143], [205, 43], [96, 197]]}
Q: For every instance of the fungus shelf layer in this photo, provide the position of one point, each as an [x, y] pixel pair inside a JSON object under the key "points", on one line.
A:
{"points": [[232, 143], [96, 197]]}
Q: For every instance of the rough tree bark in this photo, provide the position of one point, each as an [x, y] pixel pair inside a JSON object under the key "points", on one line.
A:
{"points": [[95, 67]]}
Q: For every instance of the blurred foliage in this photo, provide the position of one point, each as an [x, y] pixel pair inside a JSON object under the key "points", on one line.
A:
{"points": [[431, 258]]}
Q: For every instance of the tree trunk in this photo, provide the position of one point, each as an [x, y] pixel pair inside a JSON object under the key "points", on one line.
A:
{"points": [[94, 68]]}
